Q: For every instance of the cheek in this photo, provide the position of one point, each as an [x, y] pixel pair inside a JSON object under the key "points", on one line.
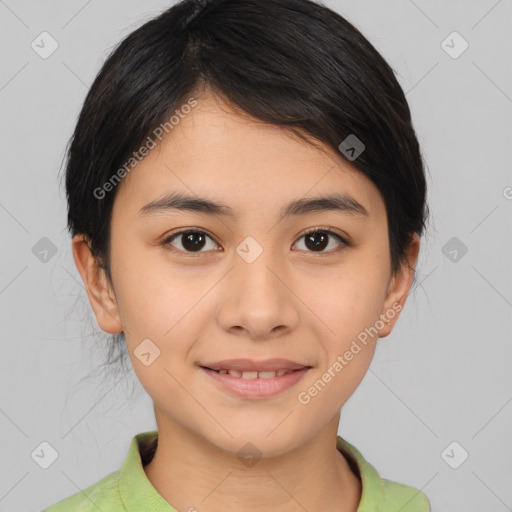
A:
{"points": [[162, 302], [348, 301], [165, 310], [158, 306], [348, 307]]}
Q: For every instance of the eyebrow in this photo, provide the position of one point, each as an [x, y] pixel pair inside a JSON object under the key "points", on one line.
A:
{"points": [[179, 201]]}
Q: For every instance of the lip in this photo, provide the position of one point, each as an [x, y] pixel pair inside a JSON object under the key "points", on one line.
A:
{"points": [[266, 365], [256, 388]]}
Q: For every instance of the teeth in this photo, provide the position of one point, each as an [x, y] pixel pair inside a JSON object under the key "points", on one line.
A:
{"points": [[256, 375], [266, 375]]}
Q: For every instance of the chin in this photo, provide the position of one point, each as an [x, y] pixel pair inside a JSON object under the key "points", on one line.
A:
{"points": [[256, 442]]}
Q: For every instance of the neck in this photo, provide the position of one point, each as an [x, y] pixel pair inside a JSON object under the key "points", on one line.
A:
{"points": [[191, 473]]}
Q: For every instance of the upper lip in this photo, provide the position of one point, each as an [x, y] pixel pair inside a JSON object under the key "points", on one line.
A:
{"points": [[268, 365]]}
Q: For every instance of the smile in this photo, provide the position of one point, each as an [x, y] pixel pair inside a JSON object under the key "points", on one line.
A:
{"points": [[249, 374], [254, 384]]}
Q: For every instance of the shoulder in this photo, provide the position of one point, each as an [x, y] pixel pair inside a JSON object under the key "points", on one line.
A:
{"points": [[380, 494], [126, 487], [408, 497], [103, 495]]}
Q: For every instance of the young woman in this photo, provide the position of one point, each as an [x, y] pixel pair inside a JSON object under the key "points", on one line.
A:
{"points": [[246, 198]]}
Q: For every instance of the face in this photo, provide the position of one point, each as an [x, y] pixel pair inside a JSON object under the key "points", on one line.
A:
{"points": [[251, 284]]}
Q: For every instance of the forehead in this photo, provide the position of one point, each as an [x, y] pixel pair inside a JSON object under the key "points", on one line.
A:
{"points": [[219, 152]]}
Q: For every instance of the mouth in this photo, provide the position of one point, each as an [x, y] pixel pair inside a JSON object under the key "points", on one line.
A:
{"points": [[250, 379], [249, 374], [252, 369]]}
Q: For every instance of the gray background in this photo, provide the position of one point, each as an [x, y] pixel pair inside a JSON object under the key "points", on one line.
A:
{"points": [[444, 375]]}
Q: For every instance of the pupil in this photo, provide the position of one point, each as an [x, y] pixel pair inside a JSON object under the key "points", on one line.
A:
{"points": [[318, 240], [193, 240]]}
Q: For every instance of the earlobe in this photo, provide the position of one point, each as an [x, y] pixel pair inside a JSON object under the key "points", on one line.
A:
{"points": [[98, 288], [399, 287]]}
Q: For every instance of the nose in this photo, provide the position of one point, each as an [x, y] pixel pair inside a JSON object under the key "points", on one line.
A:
{"points": [[256, 300]]}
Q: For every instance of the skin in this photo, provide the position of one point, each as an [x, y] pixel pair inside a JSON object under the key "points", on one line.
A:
{"points": [[291, 302]]}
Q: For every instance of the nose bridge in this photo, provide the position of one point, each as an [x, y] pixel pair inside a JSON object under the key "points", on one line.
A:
{"points": [[256, 265], [257, 300]]}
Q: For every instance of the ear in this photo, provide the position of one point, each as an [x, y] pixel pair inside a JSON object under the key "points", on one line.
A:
{"points": [[99, 290], [399, 286]]}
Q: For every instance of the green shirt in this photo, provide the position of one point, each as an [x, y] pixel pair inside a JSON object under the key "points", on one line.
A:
{"points": [[129, 489]]}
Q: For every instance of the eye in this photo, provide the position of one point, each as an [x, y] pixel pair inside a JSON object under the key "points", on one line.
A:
{"points": [[191, 240], [317, 239]]}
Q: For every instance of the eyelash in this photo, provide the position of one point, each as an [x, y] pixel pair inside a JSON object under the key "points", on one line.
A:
{"points": [[167, 241]]}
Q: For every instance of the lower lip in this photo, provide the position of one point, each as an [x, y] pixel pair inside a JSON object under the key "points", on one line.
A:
{"points": [[257, 388]]}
